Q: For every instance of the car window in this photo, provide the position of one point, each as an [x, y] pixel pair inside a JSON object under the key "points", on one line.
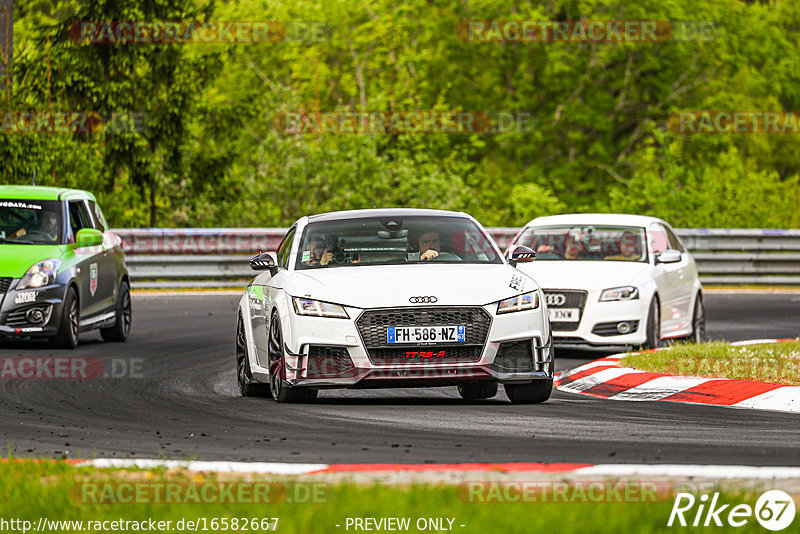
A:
{"points": [[285, 248], [97, 215], [389, 240], [585, 243], [78, 218], [659, 239], [31, 222], [674, 242]]}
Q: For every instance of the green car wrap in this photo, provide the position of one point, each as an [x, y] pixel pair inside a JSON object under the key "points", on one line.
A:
{"points": [[42, 273]]}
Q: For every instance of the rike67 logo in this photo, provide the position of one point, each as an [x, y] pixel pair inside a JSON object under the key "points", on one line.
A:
{"points": [[774, 510]]}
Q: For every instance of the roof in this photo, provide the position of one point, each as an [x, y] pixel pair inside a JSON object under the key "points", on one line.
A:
{"points": [[36, 192], [383, 212], [614, 219]]}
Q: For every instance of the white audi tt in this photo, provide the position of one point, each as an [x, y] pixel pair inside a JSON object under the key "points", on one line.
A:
{"points": [[621, 280], [392, 298]]}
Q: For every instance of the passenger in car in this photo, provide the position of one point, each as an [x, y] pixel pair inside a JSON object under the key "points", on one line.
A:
{"points": [[574, 250], [629, 247]]}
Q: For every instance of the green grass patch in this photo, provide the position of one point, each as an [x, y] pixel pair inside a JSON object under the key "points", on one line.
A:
{"points": [[769, 362], [29, 491]]}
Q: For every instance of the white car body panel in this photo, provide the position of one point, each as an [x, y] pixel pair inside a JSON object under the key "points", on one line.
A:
{"points": [[389, 287], [676, 285]]}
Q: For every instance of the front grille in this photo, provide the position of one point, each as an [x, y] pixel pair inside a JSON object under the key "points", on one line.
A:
{"points": [[17, 319], [514, 356], [320, 351], [426, 354], [572, 299], [5, 283], [328, 362], [373, 324], [610, 329]]}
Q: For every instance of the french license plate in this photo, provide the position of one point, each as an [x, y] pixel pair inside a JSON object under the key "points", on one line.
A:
{"points": [[564, 315], [426, 334]]}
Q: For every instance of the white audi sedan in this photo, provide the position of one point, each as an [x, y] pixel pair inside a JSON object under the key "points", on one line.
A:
{"points": [[614, 280], [386, 298]]}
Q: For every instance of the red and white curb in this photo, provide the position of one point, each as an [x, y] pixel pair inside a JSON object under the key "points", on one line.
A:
{"points": [[607, 379], [599, 470]]}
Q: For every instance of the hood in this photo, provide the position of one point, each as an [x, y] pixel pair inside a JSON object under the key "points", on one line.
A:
{"points": [[588, 275], [15, 260], [392, 285]]}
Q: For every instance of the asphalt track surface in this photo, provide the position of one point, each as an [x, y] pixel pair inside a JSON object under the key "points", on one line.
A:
{"points": [[186, 405]]}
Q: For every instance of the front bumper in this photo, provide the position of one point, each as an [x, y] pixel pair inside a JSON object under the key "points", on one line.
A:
{"points": [[15, 304], [600, 317], [331, 353]]}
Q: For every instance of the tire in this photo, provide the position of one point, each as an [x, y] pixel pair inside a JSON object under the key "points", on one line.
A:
{"points": [[478, 391], [280, 389], [244, 378], [533, 393], [68, 330], [653, 326], [698, 321], [122, 326]]}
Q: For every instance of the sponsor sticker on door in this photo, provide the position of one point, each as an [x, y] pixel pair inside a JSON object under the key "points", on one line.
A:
{"points": [[93, 278]]}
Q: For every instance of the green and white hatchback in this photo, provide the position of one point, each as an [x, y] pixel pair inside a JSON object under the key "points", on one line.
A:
{"points": [[61, 271]]}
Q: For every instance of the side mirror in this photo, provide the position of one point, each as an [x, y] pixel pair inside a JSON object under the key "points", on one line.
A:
{"points": [[669, 256], [522, 254], [89, 237], [263, 261]]}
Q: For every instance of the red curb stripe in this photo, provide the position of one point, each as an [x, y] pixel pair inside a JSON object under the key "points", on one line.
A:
{"points": [[723, 392], [621, 383], [583, 374], [427, 468]]}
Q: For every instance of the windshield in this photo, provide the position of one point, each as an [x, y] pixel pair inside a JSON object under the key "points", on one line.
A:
{"points": [[393, 240], [587, 243], [30, 222]]}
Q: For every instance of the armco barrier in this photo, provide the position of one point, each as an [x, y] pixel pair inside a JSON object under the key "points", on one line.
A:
{"points": [[175, 258]]}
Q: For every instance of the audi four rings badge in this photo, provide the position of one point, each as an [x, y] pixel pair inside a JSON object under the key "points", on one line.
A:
{"points": [[422, 300]]}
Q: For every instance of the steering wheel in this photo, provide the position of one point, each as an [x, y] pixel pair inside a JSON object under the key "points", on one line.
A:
{"points": [[37, 232]]}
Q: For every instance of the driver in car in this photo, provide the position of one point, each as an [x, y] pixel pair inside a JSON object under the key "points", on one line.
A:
{"points": [[429, 246], [48, 225], [318, 253]]}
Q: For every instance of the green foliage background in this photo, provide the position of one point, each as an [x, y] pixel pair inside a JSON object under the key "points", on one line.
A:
{"points": [[597, 141]]}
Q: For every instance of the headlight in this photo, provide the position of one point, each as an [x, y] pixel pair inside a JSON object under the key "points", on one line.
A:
{"points": [[317, 308], [528, 301], [40, 274], [619, 293]]}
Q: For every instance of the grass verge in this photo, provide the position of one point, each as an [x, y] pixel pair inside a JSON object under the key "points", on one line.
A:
{"points": [[770, 362], [53, 490]]}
